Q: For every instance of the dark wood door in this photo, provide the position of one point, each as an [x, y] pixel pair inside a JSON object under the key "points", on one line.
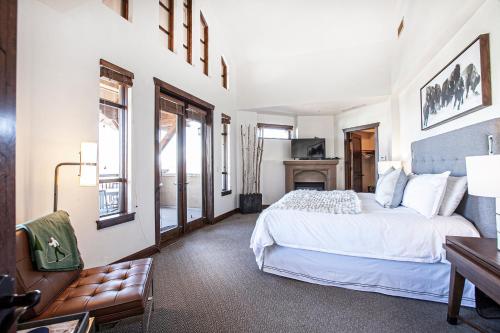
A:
{"points": [[357, 163], [8, 36], [183, 162]]}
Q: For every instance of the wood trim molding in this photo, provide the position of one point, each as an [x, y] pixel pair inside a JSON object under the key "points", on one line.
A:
{"points": [[8, 46], [112, 220], [178, 93], [226, 215], [286, 127], [362, 127], [144, 253], [115, 68]]}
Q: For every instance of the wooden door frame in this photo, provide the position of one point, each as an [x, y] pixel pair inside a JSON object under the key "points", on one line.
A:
{"points": [[347, 151], [162, 87], [8, 46]]}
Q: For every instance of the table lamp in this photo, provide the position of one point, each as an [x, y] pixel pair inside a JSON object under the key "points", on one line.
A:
{"points": [[483, 178]]}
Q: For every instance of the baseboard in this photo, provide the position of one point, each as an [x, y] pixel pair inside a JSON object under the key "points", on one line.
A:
{"points": [[144, 253], [226, 215]]}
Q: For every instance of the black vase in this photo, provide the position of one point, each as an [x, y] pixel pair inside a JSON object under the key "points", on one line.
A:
{"points": [[250, 203]]}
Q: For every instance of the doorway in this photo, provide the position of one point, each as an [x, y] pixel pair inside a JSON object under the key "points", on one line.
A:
{"points": [[183, 162], [361, 156]]}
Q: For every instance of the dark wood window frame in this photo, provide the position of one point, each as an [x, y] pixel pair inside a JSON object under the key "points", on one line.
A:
{"points": [[204, 44], [170, 29], [223, 72], [347, 151], [125, 79], [225, 137], [193, 103], [288, 128], [188, 26]]}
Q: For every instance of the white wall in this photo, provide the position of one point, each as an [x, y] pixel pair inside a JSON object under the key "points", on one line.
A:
{"points": [[318, 126], [375, 113], [485, 20], [60, 44]]}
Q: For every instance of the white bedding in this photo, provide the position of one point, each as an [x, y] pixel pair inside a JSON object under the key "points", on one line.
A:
{"points": [[399, 234]]}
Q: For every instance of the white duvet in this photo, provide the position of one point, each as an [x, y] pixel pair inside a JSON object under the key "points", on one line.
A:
{"points": [[395, 234]]}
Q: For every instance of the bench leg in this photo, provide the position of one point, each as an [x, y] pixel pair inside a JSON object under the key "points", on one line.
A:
{"points": [[457, 282]]}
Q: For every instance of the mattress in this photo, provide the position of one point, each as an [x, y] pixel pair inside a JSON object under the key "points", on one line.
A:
{"points": [[396, 278], [399, 234]]}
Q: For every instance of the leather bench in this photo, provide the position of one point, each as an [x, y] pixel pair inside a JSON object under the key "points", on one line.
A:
{"points": [[109, 293]]}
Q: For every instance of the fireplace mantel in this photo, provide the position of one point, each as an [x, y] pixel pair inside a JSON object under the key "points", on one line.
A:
{"points": [[311, 171]]}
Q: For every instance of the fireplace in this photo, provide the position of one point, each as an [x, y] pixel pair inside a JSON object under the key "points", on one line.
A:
{"points": [[310, 174], [318, 186]]}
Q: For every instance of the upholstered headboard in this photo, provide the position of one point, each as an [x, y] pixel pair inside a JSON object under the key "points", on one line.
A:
{"points": [[447, 152]]}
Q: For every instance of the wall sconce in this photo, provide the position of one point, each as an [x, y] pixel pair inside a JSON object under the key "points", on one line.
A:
{"points": [[88, 168]]}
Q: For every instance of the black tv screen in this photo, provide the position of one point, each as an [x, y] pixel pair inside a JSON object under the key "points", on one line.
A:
{"points": [[308, 148]]}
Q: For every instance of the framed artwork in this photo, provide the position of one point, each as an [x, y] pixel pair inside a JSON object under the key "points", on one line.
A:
{"points": [[461, 87]]}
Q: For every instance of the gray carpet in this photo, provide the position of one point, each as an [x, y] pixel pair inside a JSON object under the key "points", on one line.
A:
{"points": [[208, 281]]}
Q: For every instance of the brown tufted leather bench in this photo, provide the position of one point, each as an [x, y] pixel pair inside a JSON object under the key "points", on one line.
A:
{"points": [[110, 293]]}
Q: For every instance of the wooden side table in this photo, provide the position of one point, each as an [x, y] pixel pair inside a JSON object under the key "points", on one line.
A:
{"points": [[474, 259]]}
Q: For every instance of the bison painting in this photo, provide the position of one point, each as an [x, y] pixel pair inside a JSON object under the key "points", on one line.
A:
{"points": [[460, 87]]}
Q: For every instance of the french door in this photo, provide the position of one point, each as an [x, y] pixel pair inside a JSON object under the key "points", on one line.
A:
{"points": [[182, 147]]}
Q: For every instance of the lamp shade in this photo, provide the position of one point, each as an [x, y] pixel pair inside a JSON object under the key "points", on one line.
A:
{"points": [[383, 166], [88, 175], [88, 152], [88, 164], [483, 175]]}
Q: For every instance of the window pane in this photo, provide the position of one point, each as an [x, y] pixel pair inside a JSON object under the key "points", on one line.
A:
{"points": [[109, 141], [225, 157], [168, 143], [164, 18], [110, 91], [194, 181], [168, 173], [275, 133], [185, 37], [110, 198]]}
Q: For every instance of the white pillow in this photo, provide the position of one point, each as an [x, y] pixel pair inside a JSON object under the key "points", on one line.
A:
{"points": [[424, 193], [455, 190], [390, 188]]}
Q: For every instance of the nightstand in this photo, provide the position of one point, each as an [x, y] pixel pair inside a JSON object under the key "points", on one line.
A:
{"points": [[474, 259]]}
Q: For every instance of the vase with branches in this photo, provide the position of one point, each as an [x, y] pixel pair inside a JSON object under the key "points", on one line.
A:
{"points": [[252, 147]]}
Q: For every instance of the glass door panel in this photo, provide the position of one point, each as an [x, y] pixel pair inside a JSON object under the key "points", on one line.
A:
{"points": [[169, 200], [194, 174]]}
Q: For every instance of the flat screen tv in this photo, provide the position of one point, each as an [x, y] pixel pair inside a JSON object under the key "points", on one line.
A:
{"points": [[308, 148]]}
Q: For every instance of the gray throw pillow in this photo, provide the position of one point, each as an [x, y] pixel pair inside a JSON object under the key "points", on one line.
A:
{"points": [[390, 188]]}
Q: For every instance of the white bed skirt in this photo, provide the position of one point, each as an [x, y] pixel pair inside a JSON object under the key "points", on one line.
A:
{"points": [[422, 281]]}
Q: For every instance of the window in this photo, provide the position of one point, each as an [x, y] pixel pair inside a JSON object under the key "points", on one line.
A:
{"points": [[223, 72], [204, 44], [187, 23], [272, 131], [226, 186], [115, 83], [119, 6], [167, 22]]}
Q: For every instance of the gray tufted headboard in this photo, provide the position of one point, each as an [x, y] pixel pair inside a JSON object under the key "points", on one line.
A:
{"points": [[447, 152]]}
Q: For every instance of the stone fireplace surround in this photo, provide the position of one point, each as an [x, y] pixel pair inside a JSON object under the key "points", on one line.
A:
{"points": [[298, 173]]}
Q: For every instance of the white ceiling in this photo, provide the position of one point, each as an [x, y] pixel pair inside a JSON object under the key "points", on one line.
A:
{"points": [[324, 56]]}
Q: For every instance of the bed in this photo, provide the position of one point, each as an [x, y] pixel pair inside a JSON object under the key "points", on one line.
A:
{"points": [[390, 251]]}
